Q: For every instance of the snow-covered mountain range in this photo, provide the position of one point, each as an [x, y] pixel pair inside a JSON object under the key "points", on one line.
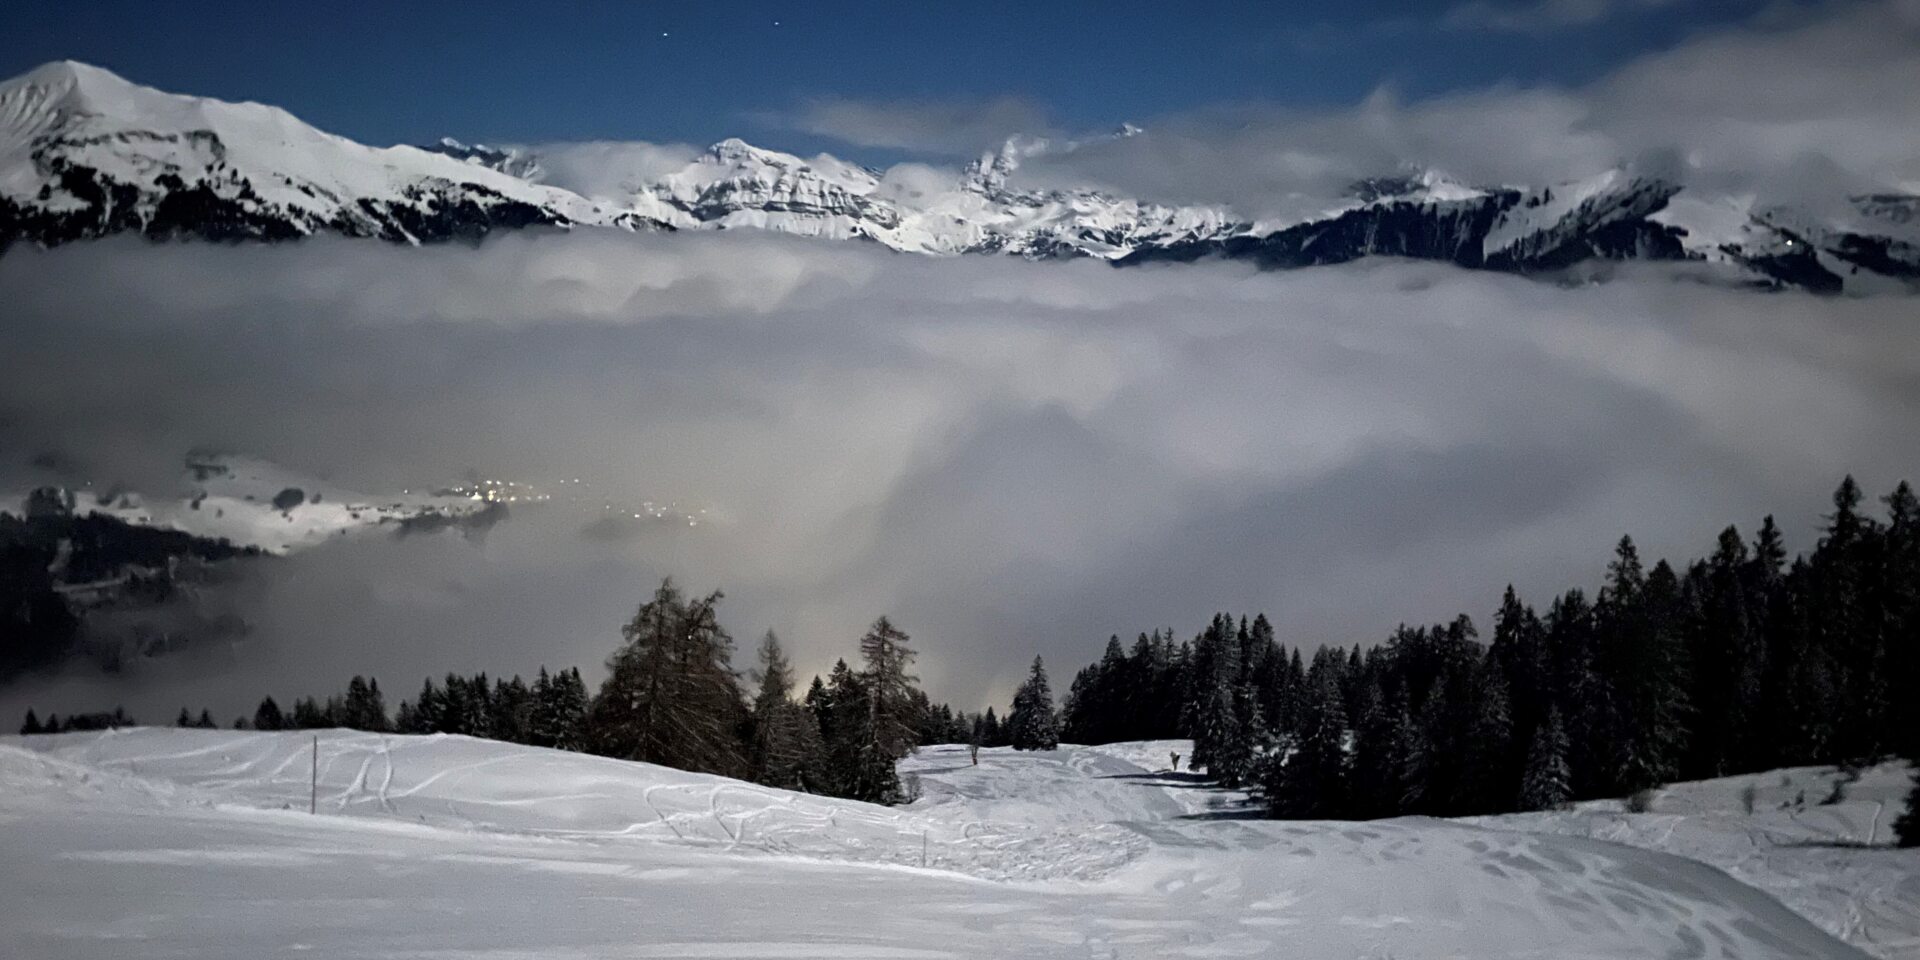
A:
{"points": [[85, 153]]}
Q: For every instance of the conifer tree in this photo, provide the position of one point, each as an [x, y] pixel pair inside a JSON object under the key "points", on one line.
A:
{"points": [[1032, 721], [1642, 668], [1312, 781], [892, 719], [569, 710], [364, 708], [783, 737], [1906, 830], [556, 714], [1547, 785], [267, 716], [32, 724], [184, 719], [1727, 652], [509, 710], [671, 696], [1216, 719], [839, 710], [1900, 600], [429, 710], [205, 722], [1488, 777]]}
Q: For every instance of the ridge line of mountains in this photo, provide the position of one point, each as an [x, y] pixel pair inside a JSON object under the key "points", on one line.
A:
{"points": [[85, 154]]}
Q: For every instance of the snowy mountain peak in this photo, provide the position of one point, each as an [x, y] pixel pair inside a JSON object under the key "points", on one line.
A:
{"points": [[86, 153], [72, 85]]}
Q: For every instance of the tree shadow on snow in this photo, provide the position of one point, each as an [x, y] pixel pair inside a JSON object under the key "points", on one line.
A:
{"points": [[1236, 813], [1164, 778]]}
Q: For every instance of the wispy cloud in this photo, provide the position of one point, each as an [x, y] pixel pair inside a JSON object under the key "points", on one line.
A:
{"points": [[953, 128], [1822, 101], [1543, 16]]}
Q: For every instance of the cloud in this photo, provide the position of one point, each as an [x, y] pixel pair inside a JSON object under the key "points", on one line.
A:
{"points": [[1543, 16], [610, 168], [1818, 102], [952, 128], [1009, 458]]}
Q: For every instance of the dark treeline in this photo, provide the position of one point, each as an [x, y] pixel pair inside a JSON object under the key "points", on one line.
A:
{"points": [[55, 564], [672, 696], [1739, 662], [1743, 661], [77, 722]]}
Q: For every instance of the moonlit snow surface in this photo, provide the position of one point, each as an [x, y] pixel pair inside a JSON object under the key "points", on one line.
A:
{"points": [[186, 843]]}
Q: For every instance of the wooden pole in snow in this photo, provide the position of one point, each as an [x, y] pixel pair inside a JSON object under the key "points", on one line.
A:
{"points": [[313, 791]]}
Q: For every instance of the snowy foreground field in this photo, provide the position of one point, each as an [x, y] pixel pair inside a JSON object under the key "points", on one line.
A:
{"points": [[198, 843]]}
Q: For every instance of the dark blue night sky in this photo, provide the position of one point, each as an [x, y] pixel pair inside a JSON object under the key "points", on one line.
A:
{"points": [[524, 72]]}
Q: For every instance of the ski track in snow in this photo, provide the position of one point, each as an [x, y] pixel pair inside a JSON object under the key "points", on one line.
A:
{"points": [[196, 843]]}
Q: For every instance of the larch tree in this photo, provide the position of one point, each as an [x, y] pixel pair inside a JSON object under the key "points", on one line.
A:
{"points": [[671, 696]]}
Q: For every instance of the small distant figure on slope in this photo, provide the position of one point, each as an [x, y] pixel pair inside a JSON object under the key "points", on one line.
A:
{"points": [[973, 750], [1176, 761]]}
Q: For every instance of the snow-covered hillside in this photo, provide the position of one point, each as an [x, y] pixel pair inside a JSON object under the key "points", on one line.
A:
{"points": [[256, 503], [736, 185], [85, 153], [1816, 839], [163, 843]]}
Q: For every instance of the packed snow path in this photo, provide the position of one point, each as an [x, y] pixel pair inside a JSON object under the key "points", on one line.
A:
{"points": [[188, 843]]}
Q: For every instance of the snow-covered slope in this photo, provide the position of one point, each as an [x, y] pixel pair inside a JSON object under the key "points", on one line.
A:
{"points": [[735, 185], [164, 843], [1816, 839], [84, 153]]}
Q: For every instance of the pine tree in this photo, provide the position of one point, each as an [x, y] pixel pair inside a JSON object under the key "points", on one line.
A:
{"points": [[1488, 779], [1900, 601], [1723, 619], [1032, 720], [839, 711], [1547, 785], [429, 710], [781, 735], [205, 722], [364, 708], [1383, 740], [1222, 742], [671, 696], [540, 718], [992, 732], [1642, 668], [569, 711], [267, 716], [510, 710], [308, 715], [1906, 830], [32, 724], [1311, 782], [184, 720]]}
